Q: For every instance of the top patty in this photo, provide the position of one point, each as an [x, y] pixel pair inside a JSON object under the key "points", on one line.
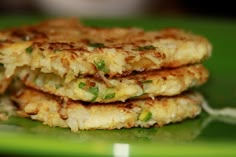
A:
{"points": [[67, 48]]}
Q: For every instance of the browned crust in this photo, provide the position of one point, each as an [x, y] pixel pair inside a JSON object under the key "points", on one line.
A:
{"points": [[167, 82], [56, 111], [72, 39]]}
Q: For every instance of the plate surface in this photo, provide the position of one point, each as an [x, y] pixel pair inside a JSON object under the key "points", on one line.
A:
{"points": [[204, 135]]}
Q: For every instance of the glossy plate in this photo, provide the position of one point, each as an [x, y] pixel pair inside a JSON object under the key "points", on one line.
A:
{"points": [[203, 136]]}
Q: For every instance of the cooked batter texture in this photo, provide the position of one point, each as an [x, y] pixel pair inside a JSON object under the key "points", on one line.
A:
{"points": [[166, 82], [66, 74], [76, 115], [67, 48]]}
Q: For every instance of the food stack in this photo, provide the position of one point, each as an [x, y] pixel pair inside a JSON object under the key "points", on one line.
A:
{"points": [[85, 77]]}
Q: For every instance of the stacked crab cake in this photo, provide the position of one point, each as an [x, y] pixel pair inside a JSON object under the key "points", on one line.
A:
{"points": [[104, 78]]}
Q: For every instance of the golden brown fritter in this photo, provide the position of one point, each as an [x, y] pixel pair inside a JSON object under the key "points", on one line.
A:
{"points": [[69, 49], [57, 111], [166, 82]]}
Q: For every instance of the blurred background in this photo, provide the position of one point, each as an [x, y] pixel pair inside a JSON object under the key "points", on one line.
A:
{"points": [[120, 8]]}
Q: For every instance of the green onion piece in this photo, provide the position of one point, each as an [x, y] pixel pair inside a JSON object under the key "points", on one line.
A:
{"points": [[100, 65], [143, 48], [58, 86], [1, 65], [82, 85], [147, 81], [96, 45], [109, 96], [145, 116], [29, 49], [94, 91], [57, 50]]}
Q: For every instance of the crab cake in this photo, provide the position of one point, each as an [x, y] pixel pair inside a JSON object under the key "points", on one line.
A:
{"points": [[4, 82], [69, 49], [166, 82], [76, 115]]}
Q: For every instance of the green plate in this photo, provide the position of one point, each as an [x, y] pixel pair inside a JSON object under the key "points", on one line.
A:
{"points": [[203, 136]]}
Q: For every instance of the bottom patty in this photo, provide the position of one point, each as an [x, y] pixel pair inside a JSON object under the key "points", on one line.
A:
{"points": [[57, 111]]}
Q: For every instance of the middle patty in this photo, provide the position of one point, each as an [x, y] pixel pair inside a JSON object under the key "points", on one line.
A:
{"points": [[167, 82]]}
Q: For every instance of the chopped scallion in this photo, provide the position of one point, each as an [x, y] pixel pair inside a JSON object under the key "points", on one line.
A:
{"points": [[147, 81], [58, 86], [143, 48], [109, 96], [101, 65], [57, 50], [29, 49], [94, 90], [82, 85], [96, 45], [145, 116]]}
